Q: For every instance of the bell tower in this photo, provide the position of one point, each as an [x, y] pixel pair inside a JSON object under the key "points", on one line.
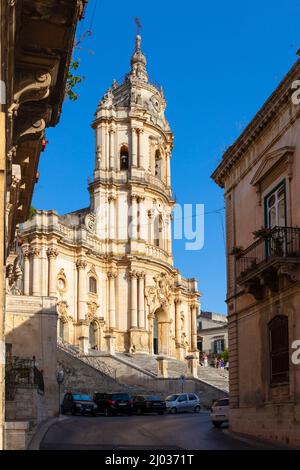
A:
{"points": [[131, 191]]}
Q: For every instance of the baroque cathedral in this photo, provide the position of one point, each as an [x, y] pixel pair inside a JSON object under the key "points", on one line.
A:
{"points": [[109, 266]]}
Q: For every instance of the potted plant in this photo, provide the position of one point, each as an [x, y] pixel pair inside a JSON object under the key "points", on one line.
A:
{"points": [[237, 250], [263, 232]]}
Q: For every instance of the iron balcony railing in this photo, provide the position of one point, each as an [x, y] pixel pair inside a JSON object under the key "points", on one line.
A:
{"points": [[280, 242]]}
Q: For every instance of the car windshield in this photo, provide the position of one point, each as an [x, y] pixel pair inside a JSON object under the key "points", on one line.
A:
{"points": [[172, 397], [153, 398], [120, 396], [79, 397]]}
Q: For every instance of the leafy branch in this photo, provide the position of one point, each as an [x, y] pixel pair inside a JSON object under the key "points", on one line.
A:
{"points": [[73, 80]]}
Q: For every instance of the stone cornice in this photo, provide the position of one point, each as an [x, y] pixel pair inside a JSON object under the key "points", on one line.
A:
{"points": [[264, 116]]}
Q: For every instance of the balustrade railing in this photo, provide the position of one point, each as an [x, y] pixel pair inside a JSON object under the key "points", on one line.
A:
{"points": [[280, 242]]}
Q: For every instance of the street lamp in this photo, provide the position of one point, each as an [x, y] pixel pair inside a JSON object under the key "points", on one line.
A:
{"points": [[60, 377]]}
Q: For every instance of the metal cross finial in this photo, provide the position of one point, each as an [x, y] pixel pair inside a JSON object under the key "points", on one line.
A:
{"points": [[138, 25]]}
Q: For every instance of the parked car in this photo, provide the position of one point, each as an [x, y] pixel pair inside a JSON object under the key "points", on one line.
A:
{"points": [[113, 403], [180, 402], [148, 404], [78, 403], [220, 412]]}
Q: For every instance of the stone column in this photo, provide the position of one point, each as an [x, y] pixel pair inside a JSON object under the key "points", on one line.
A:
{"points": [[81, 289], [194, 310], [52, 255], [103, 147], [106, 148], [111, 149], [151, 227], [143, 220], [112, 299], [112, 217], [36, 280], [26, 277], [142, 149], [134, 147], [169, 235], [133, 297], [141, 300], [134, 218], [177, 322], [162, 369], [168, 169]]}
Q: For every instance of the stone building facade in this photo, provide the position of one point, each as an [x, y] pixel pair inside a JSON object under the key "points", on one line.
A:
{"points": [[110, 265], [212, 333], [36, 42], [260, 174]]}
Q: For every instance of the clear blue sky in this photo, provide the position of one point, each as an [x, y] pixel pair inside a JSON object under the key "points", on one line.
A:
{"points": [[217, 61]]}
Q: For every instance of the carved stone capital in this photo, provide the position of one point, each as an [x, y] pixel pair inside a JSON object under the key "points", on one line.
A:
{"points": [[26, 252], [177, 301], [112, 274], [52, 252], [133, 274], [81, 264], [141, 274], [35, 251]]}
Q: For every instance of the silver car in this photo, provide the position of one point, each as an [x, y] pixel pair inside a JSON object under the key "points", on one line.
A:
{"points": [[181, 402]]}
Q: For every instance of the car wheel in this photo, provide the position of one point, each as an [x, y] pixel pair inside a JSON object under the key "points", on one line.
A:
{"points": [[94, 414], [161, 412], [139, 411], [173, 410], [129, 413], [197, 409], [217, 424]]}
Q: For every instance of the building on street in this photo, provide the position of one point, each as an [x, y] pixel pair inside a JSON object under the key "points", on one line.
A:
{"points": [[36, 47], [260, 175], [212, 331], [108, 268]]}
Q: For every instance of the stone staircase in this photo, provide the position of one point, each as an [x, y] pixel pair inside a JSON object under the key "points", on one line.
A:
{"points": [[216, 377], [137, 374]]}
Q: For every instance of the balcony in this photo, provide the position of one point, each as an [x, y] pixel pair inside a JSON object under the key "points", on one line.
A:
{"points": [[265, 263]]}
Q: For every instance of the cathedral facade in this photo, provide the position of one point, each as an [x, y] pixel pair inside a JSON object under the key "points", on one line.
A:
{"points": [[110, 265]]}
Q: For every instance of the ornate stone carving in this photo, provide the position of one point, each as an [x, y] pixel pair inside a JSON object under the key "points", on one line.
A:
{"points": [[90, 222], [52, 252], [35, 251], [61, 281], [30, 85], [133, 274], [81, 264], [112, 274], [92, 310], [14, 276], [62, 310]]}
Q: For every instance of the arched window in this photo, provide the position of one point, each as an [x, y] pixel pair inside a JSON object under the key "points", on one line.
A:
{"points": [[279, 349], [124, 158], [60, 329], [158, 232], [158, 162], [93, 285]]}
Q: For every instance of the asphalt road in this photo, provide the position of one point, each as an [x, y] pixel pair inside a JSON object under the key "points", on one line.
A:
{"points": [[186, 431]]}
